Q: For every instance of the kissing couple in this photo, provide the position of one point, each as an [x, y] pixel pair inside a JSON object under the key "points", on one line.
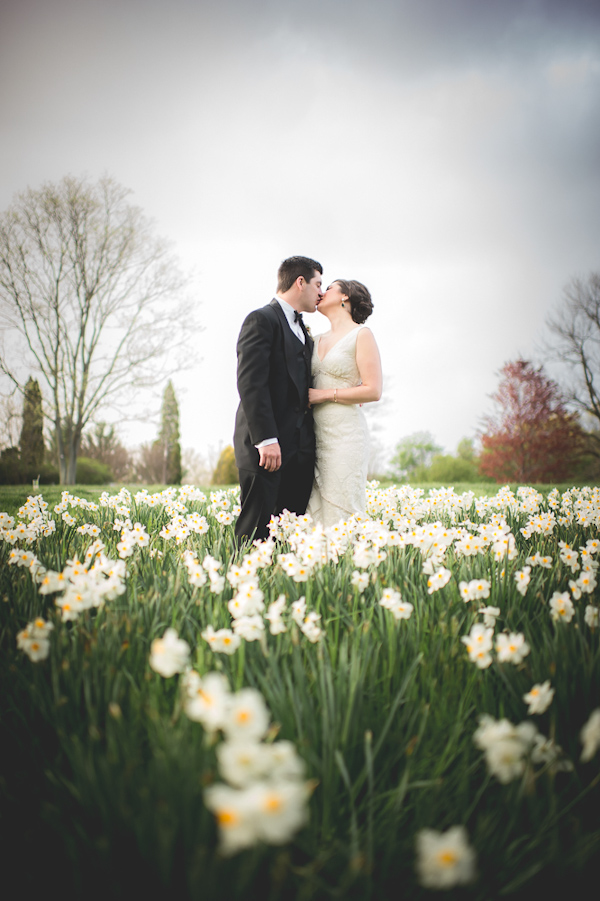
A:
{"points": [[301, 439]]}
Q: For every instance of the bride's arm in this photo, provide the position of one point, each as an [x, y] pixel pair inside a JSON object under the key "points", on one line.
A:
{"points": [[369, 367]]}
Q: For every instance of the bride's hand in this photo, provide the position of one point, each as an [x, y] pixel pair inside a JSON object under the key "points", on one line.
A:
{"points": [[318, 396]]}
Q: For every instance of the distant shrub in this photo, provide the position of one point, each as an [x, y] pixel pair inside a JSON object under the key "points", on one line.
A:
{"points": [[448, 469], [13, 472], [46, 472], [226, 472], [10, 467], [92, 472]]}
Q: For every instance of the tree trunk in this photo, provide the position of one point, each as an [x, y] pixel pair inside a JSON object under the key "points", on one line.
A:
{"points": [[74, 442], [72, 466], [60, 448]]}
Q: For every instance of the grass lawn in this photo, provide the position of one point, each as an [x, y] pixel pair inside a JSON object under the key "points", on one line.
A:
{"points": [[13, 496]]}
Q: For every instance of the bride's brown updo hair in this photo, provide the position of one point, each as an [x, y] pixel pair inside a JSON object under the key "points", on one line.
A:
{"points": [[361, 305]]}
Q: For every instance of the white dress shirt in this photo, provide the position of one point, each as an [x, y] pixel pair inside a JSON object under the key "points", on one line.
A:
{"points": [[290, 315]]}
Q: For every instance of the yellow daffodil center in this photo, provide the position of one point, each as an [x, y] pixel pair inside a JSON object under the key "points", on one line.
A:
{"points": [[227, 818], [272, 804]]}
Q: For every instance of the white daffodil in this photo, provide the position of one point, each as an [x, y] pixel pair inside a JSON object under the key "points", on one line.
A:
{"points": [[236, 817], [223, 641], [590, 736], [490, 615], [169, 654], [250, 628], [592, 616], [511, 648], [444, 859], [539, 697], [280, 809], [561, 607], [247, 716], [206, 699]]}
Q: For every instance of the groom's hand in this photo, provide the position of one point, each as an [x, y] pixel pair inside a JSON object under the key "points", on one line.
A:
{"points": [[269, 457]]}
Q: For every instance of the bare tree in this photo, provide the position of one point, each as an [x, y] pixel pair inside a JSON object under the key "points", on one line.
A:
{"points": [[92, 299], [11, 420], [102, 443], [198, 468], [575, 341]]}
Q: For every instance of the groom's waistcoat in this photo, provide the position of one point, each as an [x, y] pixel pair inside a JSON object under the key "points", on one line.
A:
{"points": [[303, 376]]}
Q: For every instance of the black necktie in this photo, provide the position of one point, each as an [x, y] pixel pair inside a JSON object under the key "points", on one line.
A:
{"points": [[298, 318]]}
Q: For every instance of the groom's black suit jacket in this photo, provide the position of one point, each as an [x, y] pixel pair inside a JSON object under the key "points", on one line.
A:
{"points": [[273, 377]]}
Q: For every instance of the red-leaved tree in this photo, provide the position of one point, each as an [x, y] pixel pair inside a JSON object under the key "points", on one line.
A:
{"points": [[531, 437]]}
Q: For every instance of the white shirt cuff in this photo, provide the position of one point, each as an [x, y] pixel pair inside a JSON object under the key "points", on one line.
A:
{"points": [[267, 441]]}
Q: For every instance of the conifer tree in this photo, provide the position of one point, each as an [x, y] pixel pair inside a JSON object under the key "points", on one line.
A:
{"points": [[168, 439], [31, 444]]}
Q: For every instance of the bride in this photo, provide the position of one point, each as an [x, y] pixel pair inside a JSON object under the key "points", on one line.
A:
{"points": [[346, 373]]}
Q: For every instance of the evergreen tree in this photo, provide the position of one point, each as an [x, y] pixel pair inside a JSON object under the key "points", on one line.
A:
{"points": [[31, 443], [168, 439]]}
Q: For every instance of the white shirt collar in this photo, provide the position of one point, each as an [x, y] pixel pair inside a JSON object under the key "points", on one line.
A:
{"points": [[286, 307], [290, 315]]}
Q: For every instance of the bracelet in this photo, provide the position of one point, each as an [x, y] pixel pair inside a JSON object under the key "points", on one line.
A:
{"points": [[335, 395]]}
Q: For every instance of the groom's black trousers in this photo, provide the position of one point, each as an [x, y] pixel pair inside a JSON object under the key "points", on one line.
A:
{"points": [[264, 494]]}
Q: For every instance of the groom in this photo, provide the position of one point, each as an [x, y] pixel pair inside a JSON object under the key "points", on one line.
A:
{"points": [[274, 438]]}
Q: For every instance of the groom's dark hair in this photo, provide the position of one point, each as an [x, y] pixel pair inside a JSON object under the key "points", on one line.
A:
{"points": [[293, 268]]}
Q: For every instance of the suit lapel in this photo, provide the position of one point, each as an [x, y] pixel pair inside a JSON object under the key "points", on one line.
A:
{"points": [[309, 340]]}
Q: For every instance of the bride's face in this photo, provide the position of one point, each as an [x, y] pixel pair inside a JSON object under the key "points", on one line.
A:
{"points": [[332, 298]]}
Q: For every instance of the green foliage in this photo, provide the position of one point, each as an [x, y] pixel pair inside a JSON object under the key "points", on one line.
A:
{"points": [[107, 773], [12, 472], [47, 474], [31, 444], [442, 469], [92, 472], [10, 466], [413, 456], [226, 472], [448, 470], [465, 450]]}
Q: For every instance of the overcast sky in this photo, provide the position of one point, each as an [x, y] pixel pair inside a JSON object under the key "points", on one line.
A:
{"points": [[444, 152]]}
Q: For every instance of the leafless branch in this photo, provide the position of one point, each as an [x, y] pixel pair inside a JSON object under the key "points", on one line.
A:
{"points": [[90, 299]]}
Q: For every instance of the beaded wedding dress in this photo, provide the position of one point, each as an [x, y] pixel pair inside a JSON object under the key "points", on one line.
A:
{"points": [[342, 437]]}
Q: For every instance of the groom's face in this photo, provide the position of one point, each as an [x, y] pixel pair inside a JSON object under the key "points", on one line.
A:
{"points": [[311, 293]]}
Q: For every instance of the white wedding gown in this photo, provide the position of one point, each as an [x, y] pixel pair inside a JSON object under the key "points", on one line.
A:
{"points": [[342, 438]]}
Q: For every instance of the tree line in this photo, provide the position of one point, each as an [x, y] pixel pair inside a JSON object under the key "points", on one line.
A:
{"points": [[97, 306], [102, 458], [530, 436]]}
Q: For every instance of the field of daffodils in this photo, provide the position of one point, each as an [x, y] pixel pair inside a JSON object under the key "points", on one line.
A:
{"points": [[402, 705]]}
